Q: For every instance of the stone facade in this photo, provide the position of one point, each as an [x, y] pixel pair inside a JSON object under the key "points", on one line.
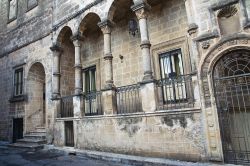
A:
{"points": [[58, 42]]}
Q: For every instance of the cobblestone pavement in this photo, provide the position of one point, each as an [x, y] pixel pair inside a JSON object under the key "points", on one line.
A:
{"points": [[21, 157]]}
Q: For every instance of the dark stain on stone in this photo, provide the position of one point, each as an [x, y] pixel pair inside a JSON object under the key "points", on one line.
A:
{"points": [[169, 120], [130, 125]]}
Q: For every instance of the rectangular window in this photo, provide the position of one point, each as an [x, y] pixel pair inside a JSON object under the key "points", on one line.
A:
{"points": [[90, 79], [31, 4], [171, 68], [92, 97], [18, 82], [12, 12]]}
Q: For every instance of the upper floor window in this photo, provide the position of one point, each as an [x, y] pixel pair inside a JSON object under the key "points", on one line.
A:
{"points": [[18, 82], [31, 4], [12, 12]]}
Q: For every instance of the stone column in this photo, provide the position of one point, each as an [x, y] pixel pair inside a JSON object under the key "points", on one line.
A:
{"points": [[78, 65], [78, 99], [106, 29], [148, 95], [57, 51], [108, 95], [141, 11]]}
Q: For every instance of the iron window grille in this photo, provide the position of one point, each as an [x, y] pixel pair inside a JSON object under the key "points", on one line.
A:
{"points": [[18, 82]]}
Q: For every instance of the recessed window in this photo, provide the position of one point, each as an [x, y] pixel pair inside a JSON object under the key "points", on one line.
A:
{"points": [[31, 4], [171, 68], [229, 20], [18, 82], [12, 12]]}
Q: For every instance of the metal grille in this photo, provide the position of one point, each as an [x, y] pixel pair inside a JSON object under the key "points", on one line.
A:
{"points": [[66, 109], [69, 133], [175, 92], [232, 91], [93, 103], [128, 99]]}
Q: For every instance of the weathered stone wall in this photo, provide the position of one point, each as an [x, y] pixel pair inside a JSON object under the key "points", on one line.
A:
{"points": [[35, 52], [174, 135], [34, 113], [30, 25], [67, 62]]}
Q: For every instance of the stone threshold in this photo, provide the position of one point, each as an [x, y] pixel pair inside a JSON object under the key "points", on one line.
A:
{"points": [[127, 159]]}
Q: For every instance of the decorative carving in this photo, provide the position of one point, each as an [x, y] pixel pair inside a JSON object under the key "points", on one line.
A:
{"points": [[141, 13], [141, 10], [205, 45], [106, 26], [227, 12]]}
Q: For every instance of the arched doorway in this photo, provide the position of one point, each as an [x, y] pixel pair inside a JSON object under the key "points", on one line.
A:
{"points": [[232, 92], [35, 113]]}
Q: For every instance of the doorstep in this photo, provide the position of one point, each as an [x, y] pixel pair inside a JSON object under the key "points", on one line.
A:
{"points": [[127, 159]]}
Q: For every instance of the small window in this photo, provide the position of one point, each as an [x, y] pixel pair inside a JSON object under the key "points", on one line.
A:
{"points": [[90, 79], [18, 82], [31, 4], [12, 12]]}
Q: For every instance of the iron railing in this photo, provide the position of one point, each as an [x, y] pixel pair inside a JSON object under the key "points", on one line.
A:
{"points": [[175, 93], [128, 99], [93, 103], [66, 107]]}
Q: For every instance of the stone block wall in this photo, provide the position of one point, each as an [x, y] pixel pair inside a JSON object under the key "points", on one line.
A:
{"points": [[176, 135]]}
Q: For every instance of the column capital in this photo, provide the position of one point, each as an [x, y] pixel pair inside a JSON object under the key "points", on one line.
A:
{"points": [[56, 48], [141, 10], [105, 26], [76, 39]]}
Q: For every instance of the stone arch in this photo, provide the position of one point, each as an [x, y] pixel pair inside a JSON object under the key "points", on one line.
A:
{"points": [[61, 35], [205, 74], [89, 22], [35, 115], [114, 5]]}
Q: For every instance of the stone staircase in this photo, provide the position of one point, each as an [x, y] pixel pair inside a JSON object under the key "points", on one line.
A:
{"points": [[33, 140]]}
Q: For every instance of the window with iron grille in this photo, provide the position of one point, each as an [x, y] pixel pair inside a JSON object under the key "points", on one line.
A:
{"points": [[171, 72], [91, 95], [12, 10], [18, 82]]}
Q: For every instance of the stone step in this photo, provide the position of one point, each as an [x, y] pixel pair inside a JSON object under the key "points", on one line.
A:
{"points": [[40, 129], [34, 136], [37, 133], [32, 141], [30, 146]]}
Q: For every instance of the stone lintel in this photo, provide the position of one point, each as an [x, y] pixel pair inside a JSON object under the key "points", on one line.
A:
{"points": [[223, 3], [207, 36]]}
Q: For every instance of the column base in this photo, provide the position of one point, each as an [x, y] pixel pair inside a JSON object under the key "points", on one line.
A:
{"points": [[148, 96], [56, 96], [148, 76], [78, 91], [109, 102]]}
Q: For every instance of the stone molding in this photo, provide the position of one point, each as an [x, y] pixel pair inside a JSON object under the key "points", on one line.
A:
{"points": [[106, 26], [222, 4], [56, 48], [192, 28], [141, 10], [207, 36]]}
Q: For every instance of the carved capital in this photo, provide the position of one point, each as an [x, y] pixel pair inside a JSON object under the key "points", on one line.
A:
{"points": [[76, 39], [56, 48], [141, 10], [105, 26]]}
